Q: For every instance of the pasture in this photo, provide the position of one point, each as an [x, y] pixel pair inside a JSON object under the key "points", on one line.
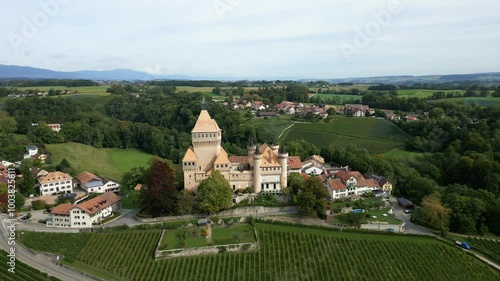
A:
{"points": [[92, 95], [327, 97], [375, 135], [108, 162], [285, 253]]}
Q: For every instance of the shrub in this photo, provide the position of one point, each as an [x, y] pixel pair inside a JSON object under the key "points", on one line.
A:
{"points": [[39, 204]]}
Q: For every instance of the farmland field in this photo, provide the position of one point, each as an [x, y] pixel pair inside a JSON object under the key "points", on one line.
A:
{"points": [[375, 135], [93, 95], [423, 93], [285, 253], [108, 162], [481, 101], [23, 272], [343, 97]]}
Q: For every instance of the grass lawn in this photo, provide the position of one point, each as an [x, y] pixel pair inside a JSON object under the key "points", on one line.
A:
{"points": [[221, 235], [239, 233], [379, 214], [108, 162]]}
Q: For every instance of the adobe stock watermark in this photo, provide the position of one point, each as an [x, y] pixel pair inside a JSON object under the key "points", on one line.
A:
{"points": [[48, 9], [364, 36], [11, 222], [222, 7]]}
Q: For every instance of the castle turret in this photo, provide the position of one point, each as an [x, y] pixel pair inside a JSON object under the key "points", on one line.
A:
{"points": [[257, 178], [275, 148], [251, 147], [283, 160]]}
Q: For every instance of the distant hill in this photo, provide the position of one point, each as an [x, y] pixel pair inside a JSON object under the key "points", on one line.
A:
{"points": [[26, 72], [492, 77]]}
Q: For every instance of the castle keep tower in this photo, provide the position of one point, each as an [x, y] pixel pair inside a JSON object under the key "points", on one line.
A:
{"points": [[263, 169]]}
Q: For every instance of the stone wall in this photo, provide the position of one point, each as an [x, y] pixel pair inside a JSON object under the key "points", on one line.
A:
{"points": [[398, 228], [186, 252], [255, 211]]}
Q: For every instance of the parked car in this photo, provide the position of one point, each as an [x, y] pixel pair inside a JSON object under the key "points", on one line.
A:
{"points": [[390, 230], [408, 211]]}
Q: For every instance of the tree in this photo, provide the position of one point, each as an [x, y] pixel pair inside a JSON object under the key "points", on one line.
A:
{"points": [[131, 178], [65, 167], [214, 193], [434, 213], [312, 197], [356, 218], [295, 182], [27, 183], [185, 203], [162, 195]]}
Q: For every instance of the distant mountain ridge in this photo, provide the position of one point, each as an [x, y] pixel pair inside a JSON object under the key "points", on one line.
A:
{"points": [[27, 72]]}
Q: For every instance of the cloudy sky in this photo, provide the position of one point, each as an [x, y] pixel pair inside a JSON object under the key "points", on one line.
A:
{"points": [[254, 38]]}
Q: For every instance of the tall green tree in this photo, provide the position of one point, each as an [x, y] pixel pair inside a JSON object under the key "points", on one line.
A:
{"points": [[312, 197], [214, 193], [27, 183]]}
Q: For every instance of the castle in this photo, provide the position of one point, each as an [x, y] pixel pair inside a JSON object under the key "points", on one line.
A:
{"points": [[264, 169]]}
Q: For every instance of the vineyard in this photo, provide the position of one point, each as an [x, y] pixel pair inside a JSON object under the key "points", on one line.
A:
{"points": [[375, 135], [23, 272], [489, 247], [286, 253]]}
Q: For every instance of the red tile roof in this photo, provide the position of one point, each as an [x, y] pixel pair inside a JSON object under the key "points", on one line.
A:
{"points": [[98, 203], [294, 162], [62, 209], [372, 183], [336, 184], [239, 159]]}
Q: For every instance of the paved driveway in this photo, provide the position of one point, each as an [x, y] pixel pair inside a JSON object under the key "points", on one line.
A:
{"points": [[410, 227]]}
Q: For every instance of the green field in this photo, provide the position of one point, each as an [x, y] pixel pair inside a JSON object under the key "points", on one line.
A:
{"points": [[92, 95], [391, 219], [424, 93], [481, 101], [375, 135], [23, 272], [285, 253], [344, 97], [108, 162]]}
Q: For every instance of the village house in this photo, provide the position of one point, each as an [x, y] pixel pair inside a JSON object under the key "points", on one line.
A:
{"points": [[385, 184], [287, 107], [84, 214], [31, 150], [347, 184], [294, 164], [95, 184], [258, 105], [264, 169], [55, 182], [38, 173], [314, 165], [356, 110]]}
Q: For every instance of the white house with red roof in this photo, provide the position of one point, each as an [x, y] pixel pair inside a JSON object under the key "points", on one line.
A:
{"points": [[352, 183], [85, 214]]}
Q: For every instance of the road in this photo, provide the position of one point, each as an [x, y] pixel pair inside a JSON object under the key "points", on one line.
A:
{"points": [[41, 263], [410, 227], [127, 218]]}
